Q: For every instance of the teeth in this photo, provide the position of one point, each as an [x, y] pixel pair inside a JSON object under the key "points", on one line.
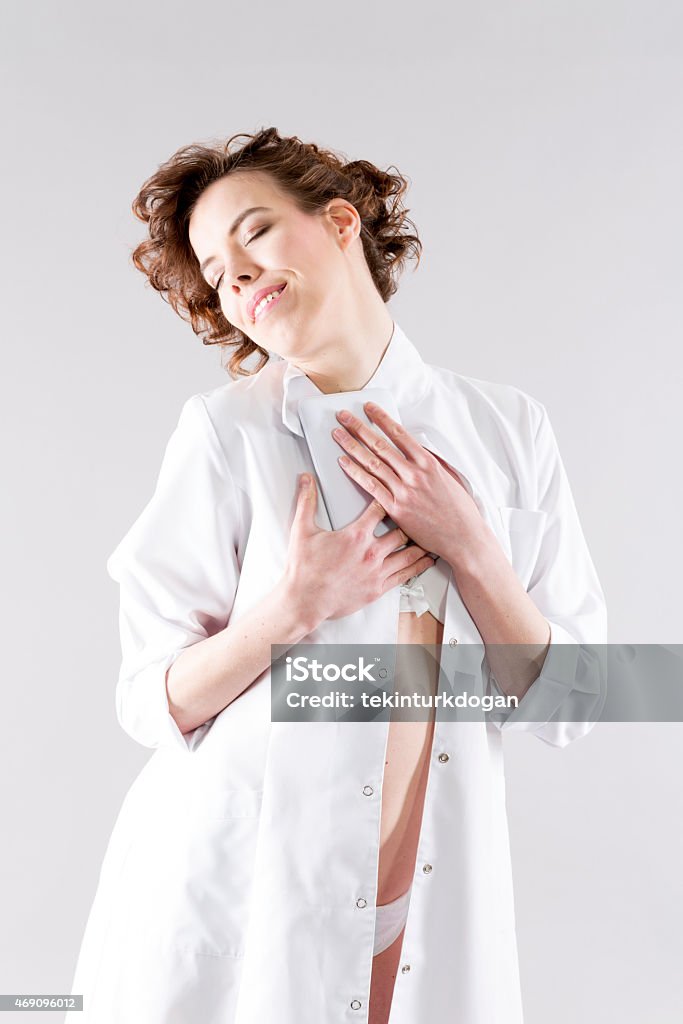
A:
{"points": [[265, 300]]}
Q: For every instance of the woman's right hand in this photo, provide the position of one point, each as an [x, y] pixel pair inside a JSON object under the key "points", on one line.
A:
{"points": [[335, 572]]}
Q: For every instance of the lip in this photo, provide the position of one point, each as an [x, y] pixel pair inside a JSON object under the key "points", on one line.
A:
{"points": [[256, 298]]}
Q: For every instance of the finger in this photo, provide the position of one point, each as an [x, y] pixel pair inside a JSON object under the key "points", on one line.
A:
{"points": [[306, 504], [396, 433], [372, 452], [392, 540], [370, 516], [407, 572], [405, 558], [375, 488]]}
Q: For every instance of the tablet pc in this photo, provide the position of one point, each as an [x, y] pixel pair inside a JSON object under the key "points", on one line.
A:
{"points": [[344, 499]]}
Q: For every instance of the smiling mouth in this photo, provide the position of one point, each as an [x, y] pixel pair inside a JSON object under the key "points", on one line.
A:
{"points": [[267, 301]]}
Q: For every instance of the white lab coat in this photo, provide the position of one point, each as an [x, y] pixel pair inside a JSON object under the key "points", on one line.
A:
{"points": [[239, 882]]}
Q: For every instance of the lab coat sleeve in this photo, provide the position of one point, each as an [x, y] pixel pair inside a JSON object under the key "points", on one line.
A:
{"points": [[566, 699], [178, 571]]}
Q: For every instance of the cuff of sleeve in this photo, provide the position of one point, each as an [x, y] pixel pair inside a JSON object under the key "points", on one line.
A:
{"points": [[549, 690], [143, 712]]}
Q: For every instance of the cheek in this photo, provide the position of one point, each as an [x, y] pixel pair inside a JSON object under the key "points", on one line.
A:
{"points": [[306, 251], [294, 252]]}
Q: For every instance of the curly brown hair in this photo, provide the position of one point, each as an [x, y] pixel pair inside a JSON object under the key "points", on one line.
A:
{"points": [[311, 176]]}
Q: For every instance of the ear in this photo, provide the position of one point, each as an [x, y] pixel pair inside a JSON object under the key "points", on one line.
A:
{"points": [[345, 221]]}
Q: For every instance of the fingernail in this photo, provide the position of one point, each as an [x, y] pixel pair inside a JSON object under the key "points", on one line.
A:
{"points": [[305, 480]]}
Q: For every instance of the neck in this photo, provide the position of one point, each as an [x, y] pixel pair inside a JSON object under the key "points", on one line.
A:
{"points": [[350, 353]]}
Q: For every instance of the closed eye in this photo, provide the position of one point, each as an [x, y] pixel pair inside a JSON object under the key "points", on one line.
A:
{"points": [[255, 235]]}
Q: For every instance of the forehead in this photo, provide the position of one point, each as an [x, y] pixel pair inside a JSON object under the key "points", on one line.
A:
{"points": [[229, 196]]}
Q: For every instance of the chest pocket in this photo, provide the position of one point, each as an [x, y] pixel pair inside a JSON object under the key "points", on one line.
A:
{"points": [[522, 534]]}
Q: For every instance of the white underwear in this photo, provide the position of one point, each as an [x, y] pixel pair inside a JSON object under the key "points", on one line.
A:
{"points": [[427, 591], [390, 921]]}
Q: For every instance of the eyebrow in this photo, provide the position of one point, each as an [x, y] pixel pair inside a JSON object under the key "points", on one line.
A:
{"points": [[235, 224]]}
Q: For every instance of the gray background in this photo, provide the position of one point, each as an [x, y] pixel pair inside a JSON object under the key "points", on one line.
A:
{"points": [[543, 144]]}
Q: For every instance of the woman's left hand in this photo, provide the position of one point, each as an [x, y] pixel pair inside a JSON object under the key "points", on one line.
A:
{"points": [[422, 493]]}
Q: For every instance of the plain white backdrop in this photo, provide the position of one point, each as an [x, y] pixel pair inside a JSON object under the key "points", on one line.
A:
{"points": [[543, 144]]}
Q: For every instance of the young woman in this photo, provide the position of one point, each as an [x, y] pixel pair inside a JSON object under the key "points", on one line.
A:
{"points": [[291, 872]]}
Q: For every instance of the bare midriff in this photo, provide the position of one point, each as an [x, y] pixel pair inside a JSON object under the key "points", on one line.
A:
{"points": [[408, 752], [409, 746]]}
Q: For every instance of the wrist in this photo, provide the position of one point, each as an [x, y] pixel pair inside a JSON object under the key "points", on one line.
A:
{"points": [[300, 616], [474, 557]]}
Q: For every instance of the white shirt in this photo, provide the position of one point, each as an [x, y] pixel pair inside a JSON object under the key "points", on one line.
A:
{"points": [[240, 879]]}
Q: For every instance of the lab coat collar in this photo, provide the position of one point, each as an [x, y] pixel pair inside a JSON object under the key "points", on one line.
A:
{"points": [[401, 370]]}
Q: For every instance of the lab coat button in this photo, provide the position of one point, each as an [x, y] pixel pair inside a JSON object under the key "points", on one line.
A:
{"points": [[426, 868], [361, 903], [368, 790], [355, 1004], [443, 758], [405, 968]]}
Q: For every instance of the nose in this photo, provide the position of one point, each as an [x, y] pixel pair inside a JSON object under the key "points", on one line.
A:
{"points": [[239, 271], [242, 279]]}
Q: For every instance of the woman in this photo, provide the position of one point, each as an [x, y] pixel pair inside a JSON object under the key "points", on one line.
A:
{"points": [[264, 870]]}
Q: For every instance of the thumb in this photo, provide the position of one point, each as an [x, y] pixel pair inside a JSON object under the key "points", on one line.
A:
{"points": [[307, 502]]}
